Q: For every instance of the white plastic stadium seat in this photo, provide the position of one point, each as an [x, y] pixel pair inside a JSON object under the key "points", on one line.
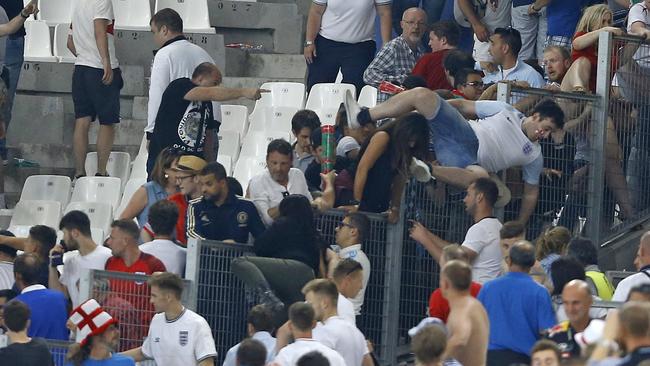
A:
{"points": [[248, 167], [283, 94], [272, 119], [97, 189], [132, 14], [99, 213], [256, 142], [129, 189], [119, 165], [327, 116], [47, 187], [38, 47], [195, 14], [229, 144], [98, 235], [139, 167], [61, 51], [368, 96], [226, 161], [234, 118], [36, 212], [328, 95], [56, 11]]}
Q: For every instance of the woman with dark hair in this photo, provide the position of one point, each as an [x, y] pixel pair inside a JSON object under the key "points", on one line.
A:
{"points": [[563, 271], [384, 162], [161, 185], [288, 255], [586, 253]]}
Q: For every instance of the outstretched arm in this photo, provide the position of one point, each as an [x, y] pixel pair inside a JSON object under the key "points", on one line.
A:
{"points": [[220, 93]]}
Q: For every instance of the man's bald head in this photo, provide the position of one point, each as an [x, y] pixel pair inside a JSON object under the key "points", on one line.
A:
{"points": [[414, 12], [576, 297], [522, 255], [579, 287], [414, 24], [643, 254]]}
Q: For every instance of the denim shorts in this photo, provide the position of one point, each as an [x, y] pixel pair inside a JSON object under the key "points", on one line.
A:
{"points": [[452, 138]]}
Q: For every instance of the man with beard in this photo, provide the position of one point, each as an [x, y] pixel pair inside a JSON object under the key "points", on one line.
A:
{"points": [[219, 214], [76, 236]]}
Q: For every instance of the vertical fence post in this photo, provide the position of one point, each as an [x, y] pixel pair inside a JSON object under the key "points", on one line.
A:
{"points": [[504, 93], [192, 268], [599, 130]]}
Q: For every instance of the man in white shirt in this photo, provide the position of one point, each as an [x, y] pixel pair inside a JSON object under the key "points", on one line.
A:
{"points": [[177, 336], [302, 320], [259, 327], [7, 257], [96, 81], [348, 277], [176, 58], [163, 216], [332, 330], [642, 262], [350, 233], [482, 241], [501, 138], [505, 45], [76, 236], [279, 180]]}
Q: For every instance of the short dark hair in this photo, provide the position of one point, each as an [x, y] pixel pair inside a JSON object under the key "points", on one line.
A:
{"points": [[459, 274], [584, 250], [488, 188], [129, 227], [429, 344], [322, 287], [260, 318], [305, 118], [169, 18], [280, 146], [522, 254], [76, 220], [215, 168], [163, 216], [251, 352], [11, 252], [46, 238], [547, 108], [565, 270], [361, 222], [205, 68], [547, 345], [234, 186], [313, 358], [28, 266], [446, 29], [8, 294], [511, 37], [512, 229], [302, 315], [461, 76], [456, 60], [167, 281], [345, 267], [16, 314]]}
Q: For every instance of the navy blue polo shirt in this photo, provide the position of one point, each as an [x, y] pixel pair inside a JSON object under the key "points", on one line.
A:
{"points": [[233, 220]]}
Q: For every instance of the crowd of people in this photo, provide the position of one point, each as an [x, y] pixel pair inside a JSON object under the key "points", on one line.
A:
{"points": [[501, 299]]}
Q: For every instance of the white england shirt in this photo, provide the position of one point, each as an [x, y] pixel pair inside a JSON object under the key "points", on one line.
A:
{"points": [[343, 337], [290, 354]]}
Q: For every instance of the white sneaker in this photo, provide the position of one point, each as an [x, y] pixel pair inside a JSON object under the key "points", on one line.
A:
{"points": [[420, 171], [352, 110]]}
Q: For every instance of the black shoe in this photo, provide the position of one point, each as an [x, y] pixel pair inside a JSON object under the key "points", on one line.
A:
{"points": [[268, 299]]}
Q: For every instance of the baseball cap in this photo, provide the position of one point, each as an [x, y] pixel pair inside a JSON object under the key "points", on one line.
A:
{"points": [[90, 320], [190, 163]]}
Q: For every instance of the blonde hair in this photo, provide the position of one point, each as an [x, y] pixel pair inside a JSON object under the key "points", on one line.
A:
{"points": [[553, 240], [592, 18]]}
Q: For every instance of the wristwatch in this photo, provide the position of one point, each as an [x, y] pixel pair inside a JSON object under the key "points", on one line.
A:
{"points": [[308, 43]]}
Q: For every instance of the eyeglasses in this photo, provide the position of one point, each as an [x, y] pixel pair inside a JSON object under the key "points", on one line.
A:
{"points": [[412, 23], [476, 84], [342, 224], [180, 179]]}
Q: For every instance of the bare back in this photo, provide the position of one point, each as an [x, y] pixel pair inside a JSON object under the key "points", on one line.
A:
{"points": [[469, 329]]}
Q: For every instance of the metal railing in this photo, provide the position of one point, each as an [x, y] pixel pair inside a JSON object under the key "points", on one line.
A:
{"points": [[126, 297], [58, 349]]}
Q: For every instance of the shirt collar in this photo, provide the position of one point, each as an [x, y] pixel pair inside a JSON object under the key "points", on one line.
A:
{"points": [[418, 51], [262, 335], [350, 248], [175, 39], [31, 288]]}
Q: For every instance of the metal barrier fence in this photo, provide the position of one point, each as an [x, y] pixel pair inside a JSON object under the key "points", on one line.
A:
{"points": [[58, 349], [624, 84], [126, 297]]}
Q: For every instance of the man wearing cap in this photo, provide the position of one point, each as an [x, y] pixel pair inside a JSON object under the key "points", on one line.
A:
{"points": [[98, 337], [577, 300], [219, 214], [187, 179]]}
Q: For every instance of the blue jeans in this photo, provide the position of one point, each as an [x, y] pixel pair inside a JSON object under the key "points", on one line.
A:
{"points": [[452, 138], [13, 62]]}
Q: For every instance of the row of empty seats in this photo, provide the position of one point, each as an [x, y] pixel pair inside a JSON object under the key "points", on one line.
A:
{"points": [[39, 48], [131, 14]]}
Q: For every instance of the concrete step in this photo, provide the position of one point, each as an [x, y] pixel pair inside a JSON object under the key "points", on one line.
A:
{"points": [[57, 78], [242, 63], [60, 156]]}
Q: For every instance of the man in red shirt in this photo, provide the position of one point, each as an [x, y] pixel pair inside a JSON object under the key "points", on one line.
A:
{"points": [[128, 258], [438, 305], [188, 182], [443, 36]]}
